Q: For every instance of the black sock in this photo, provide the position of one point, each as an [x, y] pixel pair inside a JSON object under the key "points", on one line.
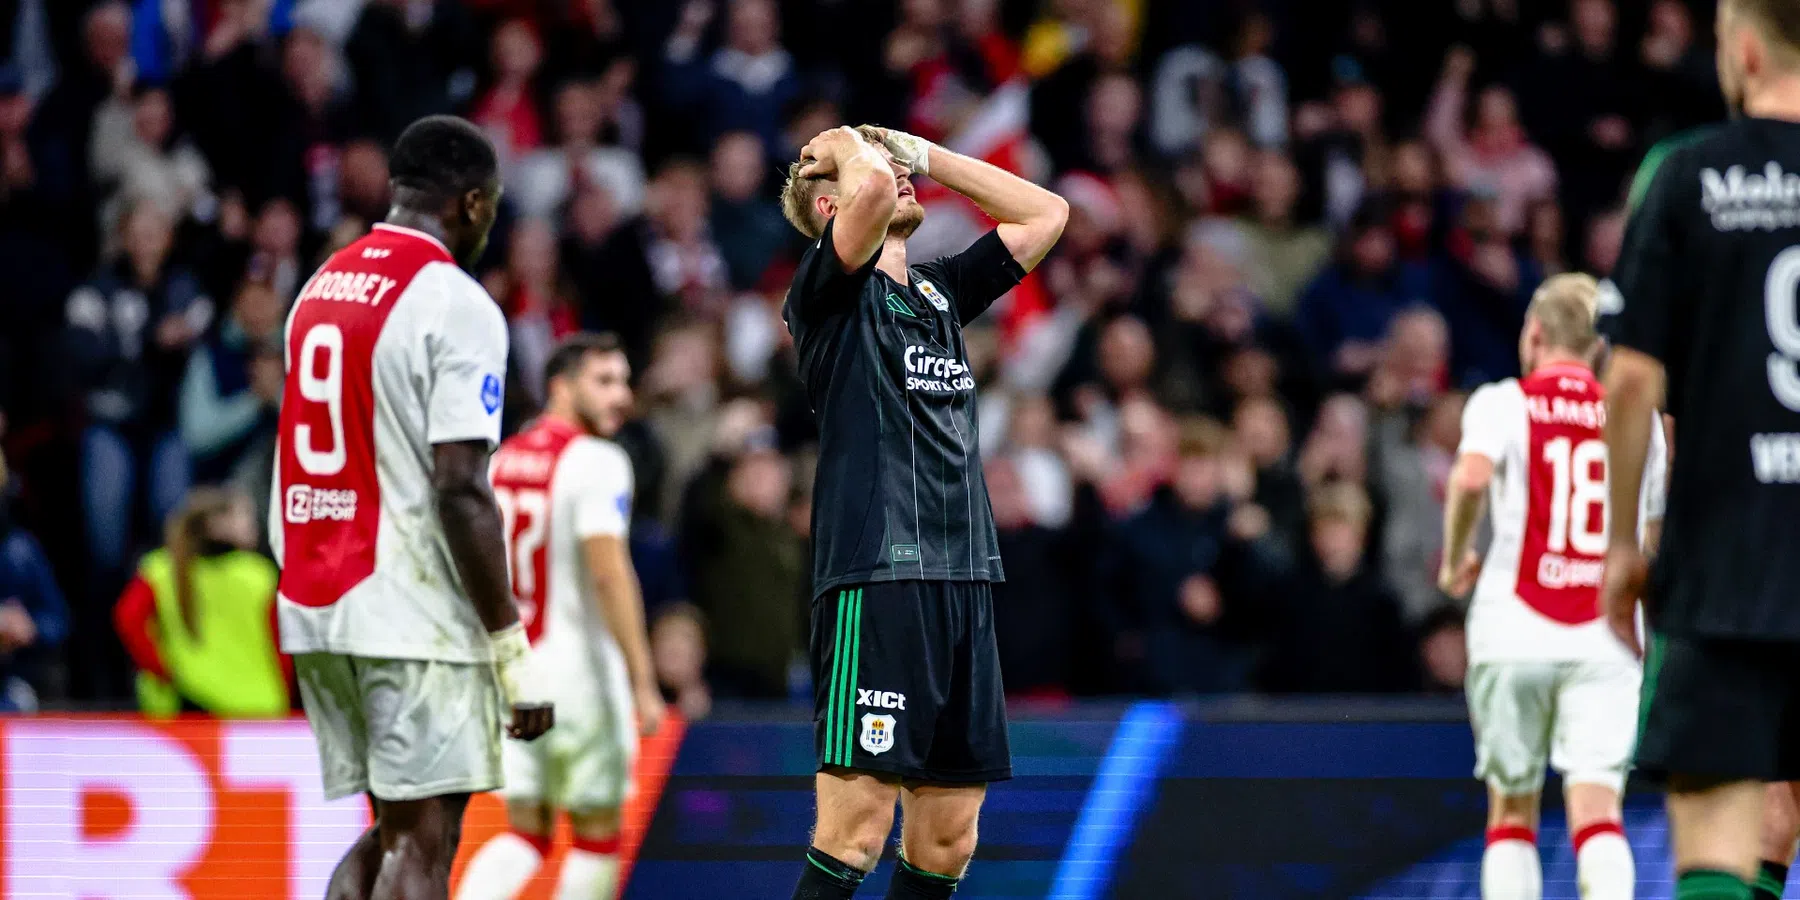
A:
{"points": [[917, 884], [824, 877], [1770, 881]]}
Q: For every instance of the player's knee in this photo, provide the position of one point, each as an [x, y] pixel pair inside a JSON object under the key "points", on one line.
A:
{"points": [[944, 840], [529, 818], [1512, 811], [594, 824], [1780, 822], [1589, 804]]}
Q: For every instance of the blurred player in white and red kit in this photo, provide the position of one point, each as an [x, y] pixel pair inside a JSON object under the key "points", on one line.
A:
{"points": [[565, 491], [408, 649], [1547, 682]]}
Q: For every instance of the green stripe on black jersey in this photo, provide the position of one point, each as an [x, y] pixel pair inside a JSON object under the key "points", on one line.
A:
{"points": [[1653, 160]]}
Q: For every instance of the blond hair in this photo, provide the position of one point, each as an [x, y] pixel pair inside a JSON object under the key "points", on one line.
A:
{"points": [[1778, 21], [798, 195], [186, 532], [1565, 307]]}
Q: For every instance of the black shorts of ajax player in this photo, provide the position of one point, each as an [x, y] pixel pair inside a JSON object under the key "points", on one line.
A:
{"points": [[1709, 325], [908, 696]]}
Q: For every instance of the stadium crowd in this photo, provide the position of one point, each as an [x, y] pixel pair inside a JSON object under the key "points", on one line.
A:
{"points": [[1216, 421]]}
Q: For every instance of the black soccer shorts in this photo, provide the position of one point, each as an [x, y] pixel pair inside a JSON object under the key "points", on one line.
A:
{"points": [[1723, 710], [907, 681]]}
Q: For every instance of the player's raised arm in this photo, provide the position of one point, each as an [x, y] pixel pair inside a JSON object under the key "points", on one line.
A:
{"points": [[866, 192], [1031, 218], [1466, 493]]}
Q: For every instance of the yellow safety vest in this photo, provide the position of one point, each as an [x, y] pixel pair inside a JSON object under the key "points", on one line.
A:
{"points": [[231, 668]]}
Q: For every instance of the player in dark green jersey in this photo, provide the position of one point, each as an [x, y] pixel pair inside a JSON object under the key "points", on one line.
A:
{"points": [[907, 692], [1704, 292], [1781, 810]]}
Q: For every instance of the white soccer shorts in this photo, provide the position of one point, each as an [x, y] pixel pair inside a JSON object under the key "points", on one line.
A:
{"points": [[582, 764], [1579, 717], [402, 729]]}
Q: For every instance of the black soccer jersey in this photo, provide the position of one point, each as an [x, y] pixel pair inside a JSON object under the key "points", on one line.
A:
{"points": [[1707, 280], [899, 493]]}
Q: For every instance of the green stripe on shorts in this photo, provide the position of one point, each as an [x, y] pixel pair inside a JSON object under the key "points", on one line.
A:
{"points": [[832, 686], [855, 658]]}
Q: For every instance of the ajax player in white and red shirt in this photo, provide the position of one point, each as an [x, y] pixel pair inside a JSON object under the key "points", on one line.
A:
{"points": [[407, 647], [565, 491], [1547, 682]]}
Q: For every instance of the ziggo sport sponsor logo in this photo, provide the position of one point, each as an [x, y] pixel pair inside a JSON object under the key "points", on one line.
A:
{"points": [[927, 371], [304, 503]]}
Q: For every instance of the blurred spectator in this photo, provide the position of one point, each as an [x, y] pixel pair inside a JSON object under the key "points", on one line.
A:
{"points": [[1443, 651], [199, 618], [544, 180], [362, 185], [230, 98], [1030, 446], [743, 85], [130, 330], [589, 40], [1340, 142], [1423, 209], [539, 309], [1284, 255], [1679, 69], [1036, 608], [1494, 155], [680, 393], [1071, 98], [684, 262], [232, 389], [1179, 579], [745, 221], [750, 568], [1342, 630], [34, 620], [139, 157], [1259, 85], [1605, 234], [1264, 436], [408, 60], [678, 648], [1416, 446], [64, 125], [1586, 104], [1490, 284], [1546, 240], [310, 125], [608, 267], [1337, 448], [508, 109], [1345, 312]]}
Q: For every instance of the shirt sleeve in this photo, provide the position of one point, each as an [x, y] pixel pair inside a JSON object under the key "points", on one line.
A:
{"points": [[602, 501], [821, 287], [465, 355], [977, 276], [1484, 423], [1647, 287]]}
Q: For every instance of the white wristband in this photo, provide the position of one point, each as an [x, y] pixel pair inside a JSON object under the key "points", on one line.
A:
{"points": [[910, 150], [521, 684]]}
